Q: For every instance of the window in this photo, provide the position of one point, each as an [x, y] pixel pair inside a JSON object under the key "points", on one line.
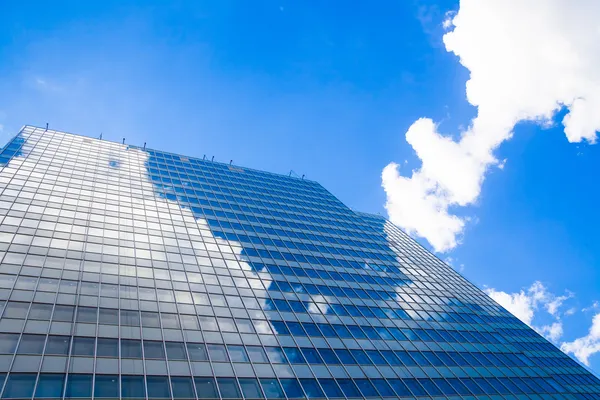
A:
{"points": [[19, 386], [31, 344], [250, 389], [182, 387], [175, 351], [292, 388], [83, 346], [228, 388], [78, 386], [154, 350], [257, 354], [237, 354], [107, 347], [63, 313], [58, 345], [40, 311], [107, 386], [8, 342], [331, 388], [50, 386], [158, 386], [131, 348], [272, 388], [132, 387], [206, 388], [217, 352], [197, 352], [109, 316]]}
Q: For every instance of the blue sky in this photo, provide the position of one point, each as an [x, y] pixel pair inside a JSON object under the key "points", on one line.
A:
{"points": [[330, 91]]}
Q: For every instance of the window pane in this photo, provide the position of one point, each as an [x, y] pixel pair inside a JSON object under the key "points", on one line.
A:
{"points": [[31, 344], [175, 351], [106, 386], [292, 388], [257, 354], [205, 387], [197, 352], [40, 311], [237, 353], [63, 313], [83, 346], [107, 347], [79, 386], [311, 388], [16, 310], [217, 353], [331, 388], [132, 386], [8, 343], [50, 385], [58, 345], [182, 387], [228, 388], [272, 388], [109, 316], [158, 386], [154, 350], [150, 319], [86, 314], [131, 348], [130, 318], [19, 386], [250, 389], [348, 387]]}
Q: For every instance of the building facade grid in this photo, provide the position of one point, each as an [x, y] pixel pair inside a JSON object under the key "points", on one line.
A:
{"points": [[127, 272]]}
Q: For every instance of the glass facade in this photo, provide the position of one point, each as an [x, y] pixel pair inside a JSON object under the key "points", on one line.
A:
{"points": [[134, 273]]}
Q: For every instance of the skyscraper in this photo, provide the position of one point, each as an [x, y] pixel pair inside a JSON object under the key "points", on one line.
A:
{"points": [[135, 273]]}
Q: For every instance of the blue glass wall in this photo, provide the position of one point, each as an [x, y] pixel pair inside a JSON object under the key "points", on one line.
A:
{"points": [[133, 273]]}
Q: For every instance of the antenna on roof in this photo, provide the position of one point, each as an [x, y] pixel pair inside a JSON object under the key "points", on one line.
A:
{"points": [[230, 162], [302, 176], [100, 135], [46, 126], [123, 140], [204, 158], [144, 145], [213, 158]]}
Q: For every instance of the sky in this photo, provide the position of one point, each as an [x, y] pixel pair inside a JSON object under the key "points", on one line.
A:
{"points": [[471, 125]]}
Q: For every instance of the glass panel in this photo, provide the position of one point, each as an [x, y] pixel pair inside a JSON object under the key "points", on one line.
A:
{"points": [[272, 388], [107, 347], [251, 389], [78, 386], [237, 353], [206, 388], [197, 352], [83, 346], [158, 386], [58, 345], [131, 348], [228, 388], [132, 386], [8, 342], [292, 388], [154, 350], [217, 352], [182, 387], [175, 351], [106, 386], [19, 386], [31, 344], [50, 385]]}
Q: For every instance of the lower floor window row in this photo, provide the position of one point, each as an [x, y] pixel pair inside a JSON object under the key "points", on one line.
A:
{"points": [[23, 386]]}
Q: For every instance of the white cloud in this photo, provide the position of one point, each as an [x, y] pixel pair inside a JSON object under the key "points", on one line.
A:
{"points": [[525, 303], [527, 59], [585, 346], [553, 331]]}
